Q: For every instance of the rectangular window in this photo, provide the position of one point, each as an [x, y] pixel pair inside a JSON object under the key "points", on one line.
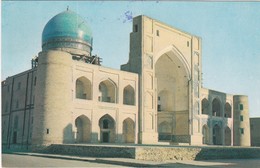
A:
{"points": [[241, 118], [19, 86], [47, 131], [159, 98], [159, 107], [17, 104], [136, 28], [241, 107], [188, 43], [242, 130], [157, 33]]}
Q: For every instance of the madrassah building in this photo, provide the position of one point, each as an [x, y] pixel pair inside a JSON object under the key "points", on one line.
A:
{"points": [[156, 98]]}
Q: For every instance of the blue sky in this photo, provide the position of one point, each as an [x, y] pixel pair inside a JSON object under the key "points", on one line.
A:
{"points": [[230, 33]]}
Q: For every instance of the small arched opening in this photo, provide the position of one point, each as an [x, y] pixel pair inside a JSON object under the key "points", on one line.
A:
{"points": [[107, 91], [129, 95], [228, 136], [227, 110], [205, 106], [129, 130], [164, 131], [83, 126], [107, 129], [205, 134], [83, 88]]}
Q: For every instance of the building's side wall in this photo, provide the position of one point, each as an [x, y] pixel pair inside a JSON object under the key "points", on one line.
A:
{"points": [[17, 109], [209, 119], [241, 121], [255, 133]]}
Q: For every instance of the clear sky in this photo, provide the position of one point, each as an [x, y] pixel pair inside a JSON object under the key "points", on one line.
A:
{"points": [[230, 33]]}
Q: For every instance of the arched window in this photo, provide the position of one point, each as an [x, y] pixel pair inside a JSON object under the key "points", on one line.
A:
{"points": [[83, 88], [205, 106], [216, 108], [227, 110], [129, 95], [107, 90]]}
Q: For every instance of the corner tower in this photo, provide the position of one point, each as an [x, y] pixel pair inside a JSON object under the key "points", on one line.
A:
{"points": [[241, 121], [64, 37]]}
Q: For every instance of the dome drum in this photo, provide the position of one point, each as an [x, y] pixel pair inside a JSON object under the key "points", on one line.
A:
{"points": [[69, 43]]}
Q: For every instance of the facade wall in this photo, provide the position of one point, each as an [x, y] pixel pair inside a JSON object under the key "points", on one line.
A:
{"points": [[254, 131]]}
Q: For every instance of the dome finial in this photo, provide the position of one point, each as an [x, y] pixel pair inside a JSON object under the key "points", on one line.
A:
{"points": [[67, 8]]}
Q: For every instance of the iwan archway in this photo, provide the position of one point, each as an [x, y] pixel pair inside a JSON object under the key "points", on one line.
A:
{"points": [[172, 84]]}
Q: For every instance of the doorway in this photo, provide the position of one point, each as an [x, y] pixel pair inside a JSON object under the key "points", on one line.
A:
{"points": [[105, 137]]}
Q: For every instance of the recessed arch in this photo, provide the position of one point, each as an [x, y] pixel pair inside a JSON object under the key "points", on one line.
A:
{"points": [[205, 106], [228, 108], [175, 51], [129, 95], [83, 126], [227, 136], [107, 129], [172, 75], [107, 91], [216, 107], [129, 130], [164, 131], [205, 134], [83, 88]]}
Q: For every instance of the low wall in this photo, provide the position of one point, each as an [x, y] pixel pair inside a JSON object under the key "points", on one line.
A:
{"points": [[90, 150], [155, 153], [196, 153]]}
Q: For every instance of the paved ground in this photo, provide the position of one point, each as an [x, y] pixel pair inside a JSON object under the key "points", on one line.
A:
{"points": [[19, 159]]}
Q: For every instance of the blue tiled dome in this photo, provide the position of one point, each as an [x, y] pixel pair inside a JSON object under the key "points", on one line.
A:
{"points": [[68, 30]]}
